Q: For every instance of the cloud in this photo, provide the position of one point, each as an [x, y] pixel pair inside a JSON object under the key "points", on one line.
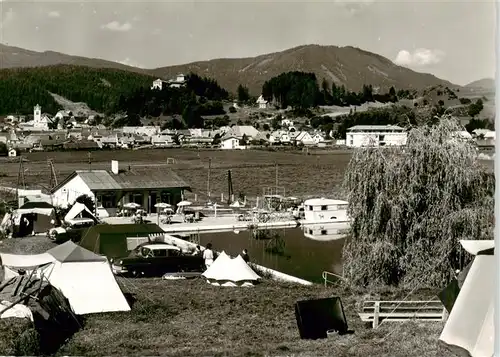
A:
{"points": [[128, 62], [54, 14], [116, 26], [419, 58]]}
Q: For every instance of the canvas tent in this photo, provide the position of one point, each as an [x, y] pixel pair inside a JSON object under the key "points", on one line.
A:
{"points": [[230, 272], [24, 261], [111, 239], [470, 326], [37, 217], [83, 277], [79, 209]]}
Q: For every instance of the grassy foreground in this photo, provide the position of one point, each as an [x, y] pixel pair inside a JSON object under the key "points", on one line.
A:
{"points": [[193, 318]]}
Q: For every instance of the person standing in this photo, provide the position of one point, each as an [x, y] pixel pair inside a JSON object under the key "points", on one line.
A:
{"points": [[245, 256], [208, 255]]}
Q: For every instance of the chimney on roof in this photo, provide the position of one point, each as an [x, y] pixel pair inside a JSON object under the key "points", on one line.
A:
{"points": [[114, 167]]}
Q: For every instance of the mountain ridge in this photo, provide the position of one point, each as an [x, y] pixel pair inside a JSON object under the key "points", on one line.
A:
{"points": [[484, 83], [349, 66]]}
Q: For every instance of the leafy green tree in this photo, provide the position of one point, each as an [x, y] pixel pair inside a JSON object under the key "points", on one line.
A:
{"points": [[192, 116], [266, 127], [217, 139], [276, 123], [296, 89], [410, 208], [244, 140], [475, 108], [243, 94], [474, 124], [87, 201], [327, 98], [367, 95]]}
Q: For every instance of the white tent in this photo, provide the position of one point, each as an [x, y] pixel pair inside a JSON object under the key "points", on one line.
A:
{"points": [[470, 325], [85, 279], [26, 261], [230, 272], [79, 209]]}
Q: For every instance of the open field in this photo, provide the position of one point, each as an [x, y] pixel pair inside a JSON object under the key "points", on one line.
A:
{"points": [[319, 173], [192, 318]]}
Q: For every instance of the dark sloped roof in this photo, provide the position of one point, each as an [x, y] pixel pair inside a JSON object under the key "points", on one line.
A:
{"points": [[36, 204], [70, 252], [134, 179], [98, 180], [111, 239], [149, 179]]}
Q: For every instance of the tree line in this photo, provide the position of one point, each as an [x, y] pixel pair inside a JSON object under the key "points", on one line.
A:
{"points": [[301, 91], [199, 97]]}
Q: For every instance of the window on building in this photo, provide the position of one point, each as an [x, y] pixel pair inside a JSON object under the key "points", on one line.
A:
{"points": [[310, 208], [324, 208]]}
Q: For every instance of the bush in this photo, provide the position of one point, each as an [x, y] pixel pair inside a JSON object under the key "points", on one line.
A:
{"points": [[411, 206], [18, 337], [232, 110]]}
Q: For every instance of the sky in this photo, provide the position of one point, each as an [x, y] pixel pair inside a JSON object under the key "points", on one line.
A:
{"points": [[452, 39]]}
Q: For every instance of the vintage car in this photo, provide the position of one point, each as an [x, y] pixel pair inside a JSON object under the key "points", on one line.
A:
{"points": [[70, 230], [156, 259]]}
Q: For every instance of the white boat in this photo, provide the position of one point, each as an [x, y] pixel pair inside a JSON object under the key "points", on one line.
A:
{"points": [[325, 231], [323, 210]]}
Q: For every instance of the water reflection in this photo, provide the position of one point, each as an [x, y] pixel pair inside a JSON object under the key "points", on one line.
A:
{"points": [[285, 250], [326, 231]]}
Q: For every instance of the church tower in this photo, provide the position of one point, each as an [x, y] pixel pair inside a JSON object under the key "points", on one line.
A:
{"points": [[37, 114]]}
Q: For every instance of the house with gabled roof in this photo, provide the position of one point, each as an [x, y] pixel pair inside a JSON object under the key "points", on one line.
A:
{"points": [[113, 188], [243, 130]]}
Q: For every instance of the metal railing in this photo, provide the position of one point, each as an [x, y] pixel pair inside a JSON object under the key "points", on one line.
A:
{"points": [[326, 274]]}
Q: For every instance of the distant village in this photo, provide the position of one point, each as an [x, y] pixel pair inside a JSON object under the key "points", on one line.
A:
{"points": [[19, 133]]}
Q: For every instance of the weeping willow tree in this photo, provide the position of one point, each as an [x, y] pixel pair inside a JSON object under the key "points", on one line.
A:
{"points": [[410, 207]]}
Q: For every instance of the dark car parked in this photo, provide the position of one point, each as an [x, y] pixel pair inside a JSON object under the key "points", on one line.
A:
{"points": [[70, 230], [156, 259]]}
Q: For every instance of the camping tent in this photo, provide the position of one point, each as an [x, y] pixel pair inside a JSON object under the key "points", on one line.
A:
{"points": [[111, 239], [24, 261], [85, 279], [79, 209], [39, 215], [470, 325], [230, 272]]}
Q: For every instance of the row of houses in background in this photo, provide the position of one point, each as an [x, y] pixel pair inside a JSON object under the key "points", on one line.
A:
{"points": [[235, 137], [393, 135], [231, 138], [35, 135]]}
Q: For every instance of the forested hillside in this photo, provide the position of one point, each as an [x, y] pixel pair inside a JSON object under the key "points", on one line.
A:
{"points": [[105, 90], [100, 88], [301, 91]]}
